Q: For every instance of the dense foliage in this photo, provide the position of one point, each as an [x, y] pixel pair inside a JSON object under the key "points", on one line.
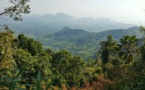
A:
{"points": [[26, 65]]}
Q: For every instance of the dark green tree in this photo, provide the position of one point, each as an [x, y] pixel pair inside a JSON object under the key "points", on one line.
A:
{"points": [[142, 30], [29, 44], [34, 47], [108, 48], [22, 41], [129, 47], [67, 68]]}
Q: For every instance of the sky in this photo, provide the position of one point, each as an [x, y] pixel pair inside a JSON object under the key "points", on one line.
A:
{"points": [[127, 11]]}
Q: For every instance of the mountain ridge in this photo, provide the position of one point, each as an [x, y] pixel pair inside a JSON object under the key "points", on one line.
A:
{"points": [[51, 23]]}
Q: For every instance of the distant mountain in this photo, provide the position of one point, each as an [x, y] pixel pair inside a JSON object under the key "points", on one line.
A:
{"points": [[118, 33], [61, 17], [67, 33], [42, 24], [81, 42]]}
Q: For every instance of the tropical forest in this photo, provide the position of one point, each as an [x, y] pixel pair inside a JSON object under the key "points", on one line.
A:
{"points": [[60, 52]]}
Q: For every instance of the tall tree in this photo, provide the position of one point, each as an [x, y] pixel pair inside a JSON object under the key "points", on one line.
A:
{"points": [[108, 48], [129, 47], [7, 47], [142, 30]]}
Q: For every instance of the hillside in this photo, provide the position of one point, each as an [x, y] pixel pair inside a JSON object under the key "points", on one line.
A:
{"points": [[81, 42]]}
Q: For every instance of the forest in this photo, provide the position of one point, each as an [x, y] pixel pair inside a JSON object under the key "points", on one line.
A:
{"points": [[26, 65]]}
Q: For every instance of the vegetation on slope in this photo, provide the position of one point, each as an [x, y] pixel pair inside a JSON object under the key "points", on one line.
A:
{"points": [[25, 65], [82, 43]]}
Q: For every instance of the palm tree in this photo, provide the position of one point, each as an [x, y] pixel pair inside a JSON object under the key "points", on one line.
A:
{"points": [[129, 47], [108, 48]]}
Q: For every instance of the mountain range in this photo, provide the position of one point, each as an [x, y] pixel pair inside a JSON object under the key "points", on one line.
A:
{"points": [[81, 36], [42, 24]]}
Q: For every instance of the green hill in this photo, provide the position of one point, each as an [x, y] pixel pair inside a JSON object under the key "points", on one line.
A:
{"points": [[81, 42]]}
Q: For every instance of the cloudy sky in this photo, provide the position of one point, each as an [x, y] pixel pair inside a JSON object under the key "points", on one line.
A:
{"points": [[129, 11]]}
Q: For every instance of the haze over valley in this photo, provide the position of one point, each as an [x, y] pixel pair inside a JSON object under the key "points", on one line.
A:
{"points": [[51, 23], [80, 36], [72, 44]]}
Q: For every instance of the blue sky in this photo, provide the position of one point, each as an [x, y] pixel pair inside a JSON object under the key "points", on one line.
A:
{"points": [[128, 11]]}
